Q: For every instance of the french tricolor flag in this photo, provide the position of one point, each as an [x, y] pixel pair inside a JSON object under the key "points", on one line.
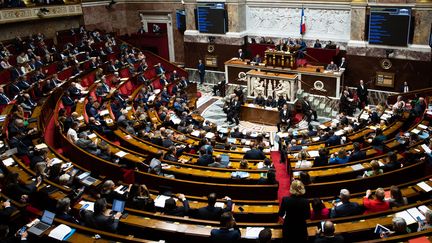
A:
{"points": [[302, 23]]}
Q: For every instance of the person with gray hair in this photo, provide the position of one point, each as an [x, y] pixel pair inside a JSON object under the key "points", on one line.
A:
{"points": [[344, 207], [63, 208], [399, 226], [427, 223], [326, 234], [375, 205]]}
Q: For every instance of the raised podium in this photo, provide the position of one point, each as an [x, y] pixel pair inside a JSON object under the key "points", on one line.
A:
{"points": [[280, 59]]}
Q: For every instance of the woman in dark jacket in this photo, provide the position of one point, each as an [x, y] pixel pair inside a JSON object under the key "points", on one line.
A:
{"points": [[295, 211], [139, 198]]}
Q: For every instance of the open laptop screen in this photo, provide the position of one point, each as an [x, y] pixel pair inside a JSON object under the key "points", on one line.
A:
{"points": [[48, 217]]}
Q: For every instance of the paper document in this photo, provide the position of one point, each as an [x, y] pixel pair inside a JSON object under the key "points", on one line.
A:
{"points": [[426, 148], [41, 146], [415, 131], [60, 232], [424, 186], [313, 153], [219, 205], [121, 154], [160, 201], [253, 232], [357, 167], [422, 126], [91, 136], [195, 133], [209, 135], [87, 205], [8, 162], [423, 209], [104, 112], [414, 212], [55, 161], [405, 215]]}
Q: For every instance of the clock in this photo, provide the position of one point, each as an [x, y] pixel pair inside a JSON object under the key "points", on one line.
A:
{"points": [[210, 48], [386, 63]]}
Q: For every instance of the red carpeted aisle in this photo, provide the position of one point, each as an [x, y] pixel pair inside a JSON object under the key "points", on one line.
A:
{"points": [[281, 175]]}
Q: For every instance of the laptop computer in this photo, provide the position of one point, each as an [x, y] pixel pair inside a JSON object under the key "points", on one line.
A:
{"points": [[225, 159], [44, 224]]}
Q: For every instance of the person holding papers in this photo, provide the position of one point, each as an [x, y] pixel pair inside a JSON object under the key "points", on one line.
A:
{"points": [[171, 207], [213, 210], [101, 218], [399, 226]]}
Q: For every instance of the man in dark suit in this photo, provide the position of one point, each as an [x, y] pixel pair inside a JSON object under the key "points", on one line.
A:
{"points": [[98, 218], [172, 209], [210, 212], [345, 208], [270, 102], [259, 100], [357, 154], [333, 139], [234, 111], [204, 158], [257, 59], [404, 88], [228, 233], [159, 69], [343, 64], [201, 71], [4, 100], [236, 133], [241, 55], [254, 153], [284, 117], [307, 110], [362, 93], [317, 44]]}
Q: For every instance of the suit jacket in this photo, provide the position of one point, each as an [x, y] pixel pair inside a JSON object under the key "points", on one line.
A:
{"points": [[201, 69], [345, 210], [254, 154], [223, 235], [14, 90], [343, 65], [205, 160], [259, 101], [333, 140], [359, 155], [296, 209], [284, 116], [402, 88], [362, 92], [212, 212], [179, 211], [100, 221]]}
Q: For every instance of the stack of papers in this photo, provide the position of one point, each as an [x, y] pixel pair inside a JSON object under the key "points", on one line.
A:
{"points": [[422, 126], [91, 136], [253, 232], [87, 205], [209, 135], [121, 154], [61, 232], [425, 187], [8, 162], [104, 112], [313, 153], [357, 167], [41, 146], [415, 131], [405, 215], [426, 148], [195, 133], [240, 174], [219, 205]]}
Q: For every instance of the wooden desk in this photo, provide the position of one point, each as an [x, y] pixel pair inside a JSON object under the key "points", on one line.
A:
{"points": [[332, 80], [280, 59], [260, 115]]}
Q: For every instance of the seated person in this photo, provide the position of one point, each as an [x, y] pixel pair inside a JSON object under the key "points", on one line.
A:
{"points": [[332, 67], [63, 210], [256, 59], [259, 100], [326, 234], [345, 208], [341, 157], [210, 212], [171, 207], [322, 159], [317, 44], [254, 153], [396, 198], [270, 102], [108, 192], [319, 211], [357, 154], [228, 233], [101, 218], [376, 170], [205, 158], [427, 223], [85, 143], [375, 205], [399, 227]]}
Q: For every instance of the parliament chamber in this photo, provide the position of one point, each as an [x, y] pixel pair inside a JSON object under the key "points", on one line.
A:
{"points": [[215, 121]]}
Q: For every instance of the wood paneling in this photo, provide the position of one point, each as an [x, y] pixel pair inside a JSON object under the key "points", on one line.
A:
{"points": [[195, 51]]}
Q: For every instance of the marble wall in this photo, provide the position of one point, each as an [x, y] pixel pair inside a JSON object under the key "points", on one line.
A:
{"points": [[323, 23]]}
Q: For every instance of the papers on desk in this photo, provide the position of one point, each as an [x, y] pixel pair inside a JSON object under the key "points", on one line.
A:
{"points": [[55, 161], [416, 214], [313, 153], [253, 232], [195, 133], [422, 126], [315, 139], [160, 201], [303, 164], [128, 108], [424, 186], [80, 118], [41, 146], [9, 152], [385, 117], [104, 112], [250, 105], [357, 167], [415, 131], [151, 98], [405, 215], [120, 189], [209, 135], [426, 148], [87, 205], [219, 205], [364, 116], [121, 154], [91, 136], [339, 133], [423, 209], [61, 232], [296, 174], [8, 162], [239, 175], [245, 149], [231, 140], [260, 165]]}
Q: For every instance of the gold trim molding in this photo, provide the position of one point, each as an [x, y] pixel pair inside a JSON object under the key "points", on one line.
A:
{"points": [[34, 13]]}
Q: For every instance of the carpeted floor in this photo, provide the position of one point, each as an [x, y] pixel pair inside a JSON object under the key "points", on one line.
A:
{"points": [[281, 175]]}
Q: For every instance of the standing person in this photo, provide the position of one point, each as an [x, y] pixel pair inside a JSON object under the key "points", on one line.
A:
{"points": [[201, 71], [295, 211], [362, 93]]}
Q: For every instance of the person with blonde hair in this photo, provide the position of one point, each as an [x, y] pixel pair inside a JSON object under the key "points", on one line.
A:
{"points": [[295, 211], [376, 170], [341, 157]]}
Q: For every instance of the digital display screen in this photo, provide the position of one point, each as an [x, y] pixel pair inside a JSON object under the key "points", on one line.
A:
{"points": [[211, 18], [389, 26]]}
